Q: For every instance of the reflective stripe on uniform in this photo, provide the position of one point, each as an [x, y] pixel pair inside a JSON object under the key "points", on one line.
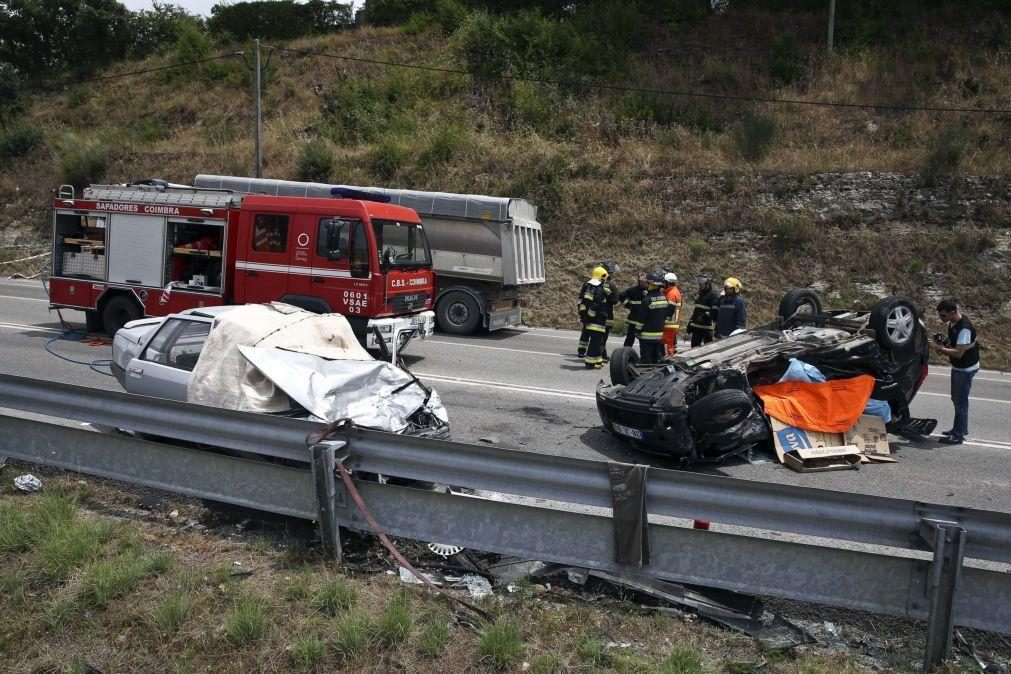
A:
{"points": [[651, 336], [593, 361], [710, 328], [595, 328], [635, 324]]}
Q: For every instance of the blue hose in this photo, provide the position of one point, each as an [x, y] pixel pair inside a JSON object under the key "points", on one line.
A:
{"points": [[70, 334]]}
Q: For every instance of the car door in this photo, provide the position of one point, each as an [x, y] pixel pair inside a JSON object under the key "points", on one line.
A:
{"points": [[163, 368]]}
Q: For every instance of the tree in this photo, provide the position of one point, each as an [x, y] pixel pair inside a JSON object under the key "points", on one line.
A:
{"points": [[43, 37]]}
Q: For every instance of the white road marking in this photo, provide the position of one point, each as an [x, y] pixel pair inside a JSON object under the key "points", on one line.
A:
{"points": [[19, 326], [992, 444], [537, 390], [496, 348], [977, 378], [982, 400], [25, 299]]}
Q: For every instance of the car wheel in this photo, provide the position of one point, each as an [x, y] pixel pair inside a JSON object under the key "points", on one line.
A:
{"points": [[119, 311], [624, 360], [894, 321], [457, 313], [720, 410], [799, 300]]}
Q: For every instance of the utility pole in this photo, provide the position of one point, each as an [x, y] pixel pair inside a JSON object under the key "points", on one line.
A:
{"points": [[259, 152], [831, 25]]}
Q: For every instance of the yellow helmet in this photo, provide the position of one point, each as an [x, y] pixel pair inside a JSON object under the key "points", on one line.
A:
{"points": [[600, 273], [733, 283]]}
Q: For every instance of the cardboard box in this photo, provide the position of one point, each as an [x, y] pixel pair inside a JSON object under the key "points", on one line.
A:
{"points": [[869, 435], [788, 438], [821, 459]]}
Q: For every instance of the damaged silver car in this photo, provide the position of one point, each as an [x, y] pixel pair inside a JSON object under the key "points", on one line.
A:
{"points": [[274, 359]]}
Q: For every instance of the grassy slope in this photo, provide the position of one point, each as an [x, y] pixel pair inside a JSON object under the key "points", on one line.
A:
{"points": [[607, 183], [155, 594]]}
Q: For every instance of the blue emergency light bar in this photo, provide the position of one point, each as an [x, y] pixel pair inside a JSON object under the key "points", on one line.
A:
{"points": [[360, 195]]}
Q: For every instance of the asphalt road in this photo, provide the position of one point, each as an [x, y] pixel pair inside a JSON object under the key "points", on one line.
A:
{"points": [[526, 389]]}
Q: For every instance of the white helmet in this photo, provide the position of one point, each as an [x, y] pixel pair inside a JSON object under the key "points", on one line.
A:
{"points": [[670, 277]]}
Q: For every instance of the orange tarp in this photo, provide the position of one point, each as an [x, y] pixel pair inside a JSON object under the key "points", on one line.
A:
{"points": [[829, 407]]}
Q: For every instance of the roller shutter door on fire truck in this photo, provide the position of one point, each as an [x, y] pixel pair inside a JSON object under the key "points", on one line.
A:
{"points": [[136, 249]]}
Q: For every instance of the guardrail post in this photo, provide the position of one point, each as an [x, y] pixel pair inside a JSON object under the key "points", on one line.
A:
{"points": [[948, 541], [324, 466]]}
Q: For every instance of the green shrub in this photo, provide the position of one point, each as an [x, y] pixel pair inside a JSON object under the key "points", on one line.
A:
{"points": [[434, 638], [444, 16], [791, 234], [81, 161], [754, 136], [172, 610], [151, 130], [387, 158], [113, 578], [787, 63], [334, 598], [944, 157], [395, 623], [308, 650], [444, 144], [351, 636], [531, 104], [15, 529], [500, 645], [683, 660], [19, 140], [245, 621], [315, 161], [594, 653]]}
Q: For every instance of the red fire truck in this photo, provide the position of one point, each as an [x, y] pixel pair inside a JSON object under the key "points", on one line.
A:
{"points": [[122, 252]]}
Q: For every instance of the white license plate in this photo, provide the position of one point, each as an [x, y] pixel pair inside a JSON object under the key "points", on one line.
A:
{"points": [[628, 432]]}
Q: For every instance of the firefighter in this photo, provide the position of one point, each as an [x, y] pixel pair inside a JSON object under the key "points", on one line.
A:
{"points": [[584, 335], [611, 297], [657, 310], [670, 328], [597, 300], [632, 298], [731, 313], [703, 320]]}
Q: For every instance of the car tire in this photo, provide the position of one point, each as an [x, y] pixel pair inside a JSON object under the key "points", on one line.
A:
{"points": [[624, 361], [457, 313], [894, 321], [720, 410], [804, 300], [119, 311]]}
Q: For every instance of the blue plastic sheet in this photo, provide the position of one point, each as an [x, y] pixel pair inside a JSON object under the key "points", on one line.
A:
{"points": [[801, 371], [879, 408]]}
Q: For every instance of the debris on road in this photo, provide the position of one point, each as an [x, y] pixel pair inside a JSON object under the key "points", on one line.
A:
{"points": [[809, 451], [477, 586], [407, 577], [28, 482]]}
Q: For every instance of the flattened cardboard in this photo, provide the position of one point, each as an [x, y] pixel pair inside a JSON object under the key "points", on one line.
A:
{"points": [[869, 434]]}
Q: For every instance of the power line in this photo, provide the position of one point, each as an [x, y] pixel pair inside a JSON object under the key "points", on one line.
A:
{"points": [[645, 90], [132, 73]]}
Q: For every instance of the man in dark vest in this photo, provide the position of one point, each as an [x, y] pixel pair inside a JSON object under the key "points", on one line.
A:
{"points": [[961, 349]]}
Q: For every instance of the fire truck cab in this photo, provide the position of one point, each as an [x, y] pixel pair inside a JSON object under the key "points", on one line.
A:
{"points": [[122, 252]]}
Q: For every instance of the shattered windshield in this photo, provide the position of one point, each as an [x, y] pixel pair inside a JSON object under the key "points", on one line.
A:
{"points": [[401, 244]]}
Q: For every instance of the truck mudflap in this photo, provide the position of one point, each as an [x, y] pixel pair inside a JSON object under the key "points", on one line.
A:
{"points": [[504, 318]]}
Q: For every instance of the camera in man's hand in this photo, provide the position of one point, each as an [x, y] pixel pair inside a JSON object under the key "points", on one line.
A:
{"points": [[939, 338]]}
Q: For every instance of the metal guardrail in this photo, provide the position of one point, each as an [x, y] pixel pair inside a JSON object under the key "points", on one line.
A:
{"points": [[941, 590]]}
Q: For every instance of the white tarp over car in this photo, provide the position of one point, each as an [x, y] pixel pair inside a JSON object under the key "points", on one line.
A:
{"points": [[261, 357], [373, 393]]}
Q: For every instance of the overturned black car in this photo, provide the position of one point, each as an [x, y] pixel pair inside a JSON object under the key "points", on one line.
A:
{"points": [[700, 406]]}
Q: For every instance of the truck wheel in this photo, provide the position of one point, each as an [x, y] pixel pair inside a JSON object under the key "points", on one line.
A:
{"points": [[119, 311], [458, 313], [92, 322], [894, 321], [623, 365], [801, 300], [720, 410]]}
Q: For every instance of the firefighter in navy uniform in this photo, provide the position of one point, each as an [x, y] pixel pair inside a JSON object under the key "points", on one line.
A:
{"points": [[633, 298], [657, 310], [611, 297], [702, 324], [584, 336], [597, 300]]}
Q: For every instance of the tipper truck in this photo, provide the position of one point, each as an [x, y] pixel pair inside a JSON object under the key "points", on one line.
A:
{"points": [[484, 249]]}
